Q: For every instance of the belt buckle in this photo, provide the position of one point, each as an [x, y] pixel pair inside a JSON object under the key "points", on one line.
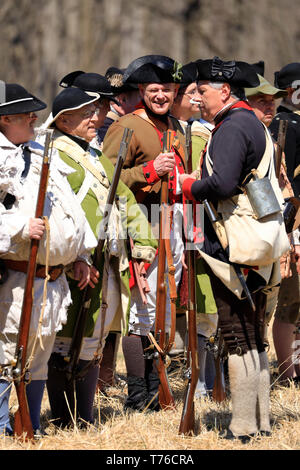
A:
{"points": [[55, 272]]}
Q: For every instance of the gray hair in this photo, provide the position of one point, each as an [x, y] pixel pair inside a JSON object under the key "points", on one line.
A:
{"points": [[236, 92]]}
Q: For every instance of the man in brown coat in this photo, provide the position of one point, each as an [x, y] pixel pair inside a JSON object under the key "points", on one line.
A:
{"points": [[145, 165]]}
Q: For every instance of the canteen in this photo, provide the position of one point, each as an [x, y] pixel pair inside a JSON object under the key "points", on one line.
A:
{"points": [[262, 197]]}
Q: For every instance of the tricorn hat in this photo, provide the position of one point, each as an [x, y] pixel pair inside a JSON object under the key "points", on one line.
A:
{"points": [[91, 83], [259, 67], [265, 88], [70, 99], [14, 99], [153, 69], [236, 73], [285, 77], [115, 77], [189, 74]]}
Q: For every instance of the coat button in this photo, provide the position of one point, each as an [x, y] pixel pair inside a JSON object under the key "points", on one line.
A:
{"points": [[147, 175]]}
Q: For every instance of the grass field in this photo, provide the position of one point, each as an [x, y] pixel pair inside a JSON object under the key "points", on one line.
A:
{"points": [[116, 430]]}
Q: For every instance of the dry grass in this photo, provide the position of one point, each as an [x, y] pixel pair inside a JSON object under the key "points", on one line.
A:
{"points": [[116, 430]]}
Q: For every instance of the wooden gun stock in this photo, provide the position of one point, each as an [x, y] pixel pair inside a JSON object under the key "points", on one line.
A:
{"points": [[283, 124], [166, 399], [187, 423], [218, 392], [22, 420]]}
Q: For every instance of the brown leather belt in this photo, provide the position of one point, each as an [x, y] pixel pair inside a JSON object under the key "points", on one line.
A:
{"points": [[21, 266]]}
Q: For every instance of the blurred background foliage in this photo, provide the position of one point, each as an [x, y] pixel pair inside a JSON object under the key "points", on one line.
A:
{"points": [[42, 40]]}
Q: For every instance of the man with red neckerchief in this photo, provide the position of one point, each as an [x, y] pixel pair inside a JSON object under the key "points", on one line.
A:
{"points": [[236, 147], [145, 165]]}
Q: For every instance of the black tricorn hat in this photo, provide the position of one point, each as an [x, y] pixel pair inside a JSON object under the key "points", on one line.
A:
{"points": [[236, 73], [14, 99], [90, 82], [153, 69], [70, 99], [285, 77], [115, 77], [189, 74], [259, 67]]}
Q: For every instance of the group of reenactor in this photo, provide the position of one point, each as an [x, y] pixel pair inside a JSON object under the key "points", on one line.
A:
{"points": [[243, 189]]}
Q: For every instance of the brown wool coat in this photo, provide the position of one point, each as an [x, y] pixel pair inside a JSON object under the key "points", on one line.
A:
{"points": [[144, 146]]}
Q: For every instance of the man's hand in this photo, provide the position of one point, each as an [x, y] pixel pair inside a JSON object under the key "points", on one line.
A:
{"points": [[296, 257], [285, 266], [82, 274], [94, 276], [184, 265], [164, 163], [185, 176], [36, 228]]}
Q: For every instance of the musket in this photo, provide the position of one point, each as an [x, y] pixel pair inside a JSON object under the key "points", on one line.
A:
{"points": [[283, 124], [22, 420], [187, 423], [221, 234], [72, 359], [166, 399], [215, 346], [291, 214]]}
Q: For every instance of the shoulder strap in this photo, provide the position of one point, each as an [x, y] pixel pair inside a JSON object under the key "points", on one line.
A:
{"points": [[264, 164], [82, 159], [142, 114]]}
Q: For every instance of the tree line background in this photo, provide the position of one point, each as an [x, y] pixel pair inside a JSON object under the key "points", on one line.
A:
{"points": [[42, 40]]}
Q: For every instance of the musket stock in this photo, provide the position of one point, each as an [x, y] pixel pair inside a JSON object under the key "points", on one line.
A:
{"points": [[22, 421], [187, 423], [166, 399], [283, 124]]}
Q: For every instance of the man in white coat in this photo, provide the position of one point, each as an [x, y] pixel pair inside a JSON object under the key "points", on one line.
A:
{"points": [[67, 232]]}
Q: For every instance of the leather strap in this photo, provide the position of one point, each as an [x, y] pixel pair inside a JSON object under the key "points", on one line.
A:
{"points": [[21, 266]]}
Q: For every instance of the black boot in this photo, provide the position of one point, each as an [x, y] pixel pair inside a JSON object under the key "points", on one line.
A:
{"points": [[137, 393], [56, 387], [152, 382]]}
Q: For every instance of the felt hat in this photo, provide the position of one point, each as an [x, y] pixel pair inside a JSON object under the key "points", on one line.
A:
{"points": [[70, 99], [14, 99], [189, 74], [265, 88], [115, 77], [91, 83], [153, 69], [236, 73], [259, 67], [285, 77]]}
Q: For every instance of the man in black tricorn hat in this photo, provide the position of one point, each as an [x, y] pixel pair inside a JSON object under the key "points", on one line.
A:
{"points": [[238, 144], [158, 79], [127, 95], [71, 238], [185, 108], [287, 314]]}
